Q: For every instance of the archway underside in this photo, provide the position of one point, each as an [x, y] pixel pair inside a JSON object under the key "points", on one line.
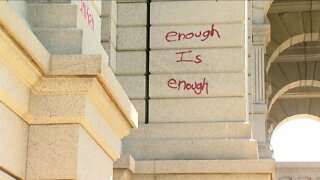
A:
{"points": [[293, 60]]}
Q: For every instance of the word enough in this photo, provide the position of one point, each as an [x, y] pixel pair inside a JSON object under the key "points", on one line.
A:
{"points": [[173, 36], [196, 87]]}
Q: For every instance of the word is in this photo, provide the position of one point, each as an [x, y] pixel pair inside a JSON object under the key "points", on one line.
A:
{"points": [[173, 36], [196, 87], [84, 8], [197, 59]]}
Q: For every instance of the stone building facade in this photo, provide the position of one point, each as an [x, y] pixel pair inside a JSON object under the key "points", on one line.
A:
{"points": [[161, 89]]}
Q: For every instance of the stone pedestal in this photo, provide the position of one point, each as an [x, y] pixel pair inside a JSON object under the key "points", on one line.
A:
{"points": [[198, 126]]}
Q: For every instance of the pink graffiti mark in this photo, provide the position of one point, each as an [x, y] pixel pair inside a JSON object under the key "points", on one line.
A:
{"points": [[197, 59], [173, 36], [85, 10], [196, 87]]}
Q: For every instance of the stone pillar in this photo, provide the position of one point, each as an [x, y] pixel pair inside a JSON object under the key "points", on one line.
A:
{"points": [[260, 33], [132, 52]]}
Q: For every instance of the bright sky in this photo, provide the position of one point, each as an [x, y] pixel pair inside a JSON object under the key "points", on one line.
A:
{"points": [[297, 140]]}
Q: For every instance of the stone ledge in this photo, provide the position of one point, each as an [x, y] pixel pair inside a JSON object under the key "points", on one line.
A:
{"points": [[93, 65], [23, 37], [204, 166]]}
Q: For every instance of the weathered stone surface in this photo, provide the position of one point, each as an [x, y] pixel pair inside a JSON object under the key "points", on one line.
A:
{"points": [[131, 63], [212, 60], [197, 109], [217, 35], [93, 162], [62, 41], [109, 9], [50, 145], [190, 149], [131, 38], [140, 106], [52, 15], [197, 85], [13, 142], [194, 130], [68, 151], [134, 86], [224, 167], [132, 14], [196, 12], [108, 30]]}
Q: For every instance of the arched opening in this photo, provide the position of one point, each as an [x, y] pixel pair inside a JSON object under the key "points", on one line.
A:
{"points": [[296, 139]]}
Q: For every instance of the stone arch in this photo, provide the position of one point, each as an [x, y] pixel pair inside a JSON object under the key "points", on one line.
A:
{"points": [[290, 28], [299, 83], [305, 37]]}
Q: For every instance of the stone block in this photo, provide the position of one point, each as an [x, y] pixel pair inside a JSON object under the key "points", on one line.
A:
{"points": [[132, 14], [197, 109], [43, 15], [61, 41], [196, 12], [48, 1], [211, 60], [197, 85], [13, 142], [131, 38], [140, 106], [259, 127], [112, 54], [195, 130], [191, 149], [93, 162], [65, 152], [75, 64], [131, 1], [252, 166], [131, 63], [13, 91], [108, 30], [109, 9], [134, 86], [197, 36]]}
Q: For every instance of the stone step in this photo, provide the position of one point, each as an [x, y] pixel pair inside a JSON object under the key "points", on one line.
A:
{"points": [[43, 15], [191, 149], [191, 130], [48, 1], [60, 41]]}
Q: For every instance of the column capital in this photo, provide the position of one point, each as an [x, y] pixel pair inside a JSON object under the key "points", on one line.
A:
{"points": [[261, 34]]}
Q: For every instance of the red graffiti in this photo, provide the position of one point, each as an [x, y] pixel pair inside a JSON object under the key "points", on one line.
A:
{"points": [[85, 10], [173, 36], [197, 59], [196, 87]]}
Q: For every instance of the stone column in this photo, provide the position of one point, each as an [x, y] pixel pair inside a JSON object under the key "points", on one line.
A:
{"points": [[260, 33]]}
